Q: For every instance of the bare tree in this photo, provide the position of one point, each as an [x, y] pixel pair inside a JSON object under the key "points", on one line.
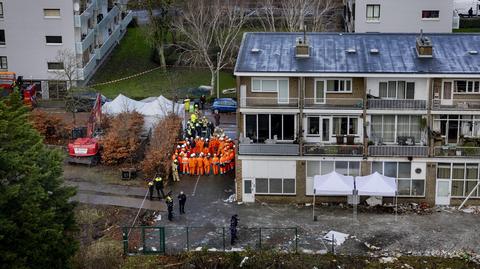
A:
{"points": [[318, 14], [68, 70], [210, 30], [268, 16]]}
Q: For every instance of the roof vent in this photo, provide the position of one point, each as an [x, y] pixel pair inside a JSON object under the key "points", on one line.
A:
{"points": [[374, 51], [424, 46], [255, 50], [302, 50], [351, 50], [473, 52]]}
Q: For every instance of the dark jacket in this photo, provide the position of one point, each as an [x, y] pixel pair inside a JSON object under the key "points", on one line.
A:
{"points": [[182, 198]]}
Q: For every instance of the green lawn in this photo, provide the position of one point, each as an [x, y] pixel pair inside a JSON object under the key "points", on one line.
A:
{"points": [[133, 56], [466, 30]]}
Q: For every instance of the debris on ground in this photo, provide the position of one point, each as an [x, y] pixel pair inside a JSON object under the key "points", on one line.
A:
{"points": [[374, 201], [337, 236], [371, 247], [388, 259], [232, 198], [471, 210]]}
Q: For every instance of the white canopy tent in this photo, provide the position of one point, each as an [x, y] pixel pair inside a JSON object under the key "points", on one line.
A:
{"points": [[372, 185], [153, 109], [333, 184]]}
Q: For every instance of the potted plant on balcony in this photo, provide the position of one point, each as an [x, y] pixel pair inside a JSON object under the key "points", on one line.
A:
{"points": [[469, 149]]}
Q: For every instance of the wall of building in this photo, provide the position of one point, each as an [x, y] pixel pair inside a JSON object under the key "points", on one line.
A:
{"points": [[25, 31], [404, 16]]}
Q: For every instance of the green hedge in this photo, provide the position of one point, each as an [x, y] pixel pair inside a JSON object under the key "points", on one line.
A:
{"points": [[470, 22]]}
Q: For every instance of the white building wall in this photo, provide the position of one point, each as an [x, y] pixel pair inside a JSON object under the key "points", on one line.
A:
{"points": [[25, 30], [405, 16], [421, 86], [268, 169]]}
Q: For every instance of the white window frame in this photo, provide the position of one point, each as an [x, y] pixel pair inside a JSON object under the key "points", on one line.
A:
{"points": [[4, 43], [53, 44], [324, 91], [55, 70], [2, 13], [475, 120], [283, 192], [1, 63], [395, 135], [431, 18], [464, 178], [52, 17], [403, 179], [397, 89], [468, 82], [270, 125], [319, 126], [334, 166], [348, 124], [373, 18], [340, 81], [268, 79]]}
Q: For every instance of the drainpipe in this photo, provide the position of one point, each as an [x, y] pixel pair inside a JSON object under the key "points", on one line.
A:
{"points": [[364, 115], [430, 144], [301, 101]]}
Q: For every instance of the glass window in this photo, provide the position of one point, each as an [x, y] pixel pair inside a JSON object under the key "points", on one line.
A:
{"points": [[325, 129], [458, 171], [401, 90], [340, 125], [418, 187], [373, 12], [341, 167], [390, 169], [269, 85], [472, 171], [288, 127], [392, 89], [2, 37], [263, 127], [430, 14], [261, 185], [383, 92], [469, 185], [319, 91], [410, 90], [3, 62], [251, 127], [247, 185], [1, 10], [288, 185], [327, 167], [256, 85], [51, 13], [55, 66], [404, 170], [377, 167], [460, 85], [443, 170], [313, 168], [276, 185], [276, 126], [388, 128], [313, 125], [457, 187], [53, 39], [403, 187], [354, 168], [57, 89]]}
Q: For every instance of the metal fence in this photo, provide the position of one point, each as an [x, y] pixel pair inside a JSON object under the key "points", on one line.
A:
{"points": [[171, 240]]}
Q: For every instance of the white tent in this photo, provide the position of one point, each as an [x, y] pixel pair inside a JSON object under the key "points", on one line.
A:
{"points": [[376, 185], [333, 184], [153, 109]]}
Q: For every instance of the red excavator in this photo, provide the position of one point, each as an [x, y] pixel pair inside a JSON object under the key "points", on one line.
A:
{"points": [[85, 148], [9, 82]]}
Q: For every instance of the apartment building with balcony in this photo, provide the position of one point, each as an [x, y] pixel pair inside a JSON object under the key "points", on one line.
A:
{"points": [[406, 16], [34, 32], [405, 105]]}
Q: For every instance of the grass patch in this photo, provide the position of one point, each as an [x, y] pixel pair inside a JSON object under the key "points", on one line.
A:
{"points": [[133, 56], [466, 30]]}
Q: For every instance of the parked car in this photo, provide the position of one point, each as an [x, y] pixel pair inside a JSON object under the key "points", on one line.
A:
{"points": [[224, 105], [83, 101]]}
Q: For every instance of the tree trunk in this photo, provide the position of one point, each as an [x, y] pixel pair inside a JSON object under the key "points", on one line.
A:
{"points": [[161, 56], [212, 82]]}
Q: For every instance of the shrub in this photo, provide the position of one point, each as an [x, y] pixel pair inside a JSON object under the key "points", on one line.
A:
{"points": [[102, 254], [52, 128]]}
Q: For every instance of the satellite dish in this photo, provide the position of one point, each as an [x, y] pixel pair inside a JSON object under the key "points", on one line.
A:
{"points": [[76, 7]]}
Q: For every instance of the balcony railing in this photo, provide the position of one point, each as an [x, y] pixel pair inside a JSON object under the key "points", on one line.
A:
{"points": [[394, 150], [108, 18], [80, 47], [269, 149], [333, 150], [396, 104], [127, 19], [455, 151], [334, 103], [456, 104], [262, 102], [84, 72], [82, 19], [105, 47]]}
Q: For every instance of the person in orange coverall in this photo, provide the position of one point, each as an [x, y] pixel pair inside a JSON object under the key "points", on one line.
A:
{"points": [[206, 164], [215, 164], [200, 165], [192, 163], [185, 164]]}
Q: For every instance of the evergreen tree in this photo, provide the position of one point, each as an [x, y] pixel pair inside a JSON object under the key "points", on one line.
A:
{"points": [[37, 223]]}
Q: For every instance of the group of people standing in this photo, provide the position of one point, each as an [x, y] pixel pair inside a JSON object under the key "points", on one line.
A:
{"points": [[204, 156]]}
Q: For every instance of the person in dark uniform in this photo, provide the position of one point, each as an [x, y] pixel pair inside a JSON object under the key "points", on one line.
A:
{"points": [[151, 185], [182, 198], [159, 186], [233, 229], [169, 202]]}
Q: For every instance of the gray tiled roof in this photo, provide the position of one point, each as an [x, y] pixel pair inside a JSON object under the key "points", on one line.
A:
{"points": [[328, 53]]}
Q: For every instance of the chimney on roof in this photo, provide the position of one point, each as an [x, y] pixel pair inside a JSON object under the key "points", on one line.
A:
{"points": [[302, 50], [424, 46]]}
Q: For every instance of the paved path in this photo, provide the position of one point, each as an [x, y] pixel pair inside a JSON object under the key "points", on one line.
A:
{"points": [[117, 195]]}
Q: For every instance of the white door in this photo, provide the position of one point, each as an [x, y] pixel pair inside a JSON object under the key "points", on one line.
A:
{"points": [[442, 193], [283, 96], [248, 190], [447, 93]]}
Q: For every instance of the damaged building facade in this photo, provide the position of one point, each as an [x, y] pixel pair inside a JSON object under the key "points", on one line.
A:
{"points": [[404, 105]]}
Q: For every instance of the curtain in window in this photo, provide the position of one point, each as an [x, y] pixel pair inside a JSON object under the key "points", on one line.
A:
{"points": [[443, 170], [313, 168], [390, 169], [401, 90], [376, 128], [377, 167], [472, 171], [458, 171], [327, 167], [382, 87], [415, 127], [403, 125], [341, 167], [388, 128]]}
